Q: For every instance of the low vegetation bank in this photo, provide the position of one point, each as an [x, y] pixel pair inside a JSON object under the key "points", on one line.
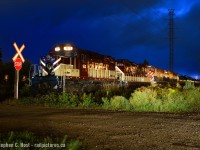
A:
{"points": [[147, 99]]}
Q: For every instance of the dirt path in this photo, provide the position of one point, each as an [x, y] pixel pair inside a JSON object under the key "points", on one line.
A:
{"points": [[107, 129]]}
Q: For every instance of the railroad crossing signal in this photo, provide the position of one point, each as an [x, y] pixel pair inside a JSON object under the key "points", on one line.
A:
{"points": [[18, 59]]}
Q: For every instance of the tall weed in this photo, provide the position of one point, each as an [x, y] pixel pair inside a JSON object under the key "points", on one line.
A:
{"points": [[86, 100], [106, 103]]}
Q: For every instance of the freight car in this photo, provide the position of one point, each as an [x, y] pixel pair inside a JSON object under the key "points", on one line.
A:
{"points": [[90, 69]]}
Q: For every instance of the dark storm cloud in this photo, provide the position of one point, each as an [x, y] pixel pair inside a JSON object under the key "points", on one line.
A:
{"points": [[134, 30], [187, 45]]}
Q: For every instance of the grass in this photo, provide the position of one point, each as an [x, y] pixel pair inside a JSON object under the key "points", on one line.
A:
{"points": [[27, 140]]}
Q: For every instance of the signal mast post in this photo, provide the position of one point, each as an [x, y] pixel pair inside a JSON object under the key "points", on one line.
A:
{"points": [[64, 82], [16, 84]]}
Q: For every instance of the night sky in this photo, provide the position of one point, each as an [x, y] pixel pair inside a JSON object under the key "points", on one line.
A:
{"points": [[129, 29]]}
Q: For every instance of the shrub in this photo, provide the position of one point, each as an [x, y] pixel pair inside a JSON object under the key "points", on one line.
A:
{"points": [[49, 99], [189, 85], [106, 103], [116, 103], [192, 99], [145, 99], [119, 103], [67, 100], [25, 91], [28, 100], [86, 100], [75, 145], [173, 101]]}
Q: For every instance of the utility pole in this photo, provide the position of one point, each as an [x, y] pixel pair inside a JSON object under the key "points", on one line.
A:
{"points": [[171, 39]]}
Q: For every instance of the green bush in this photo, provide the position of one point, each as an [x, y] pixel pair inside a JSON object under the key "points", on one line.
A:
{"points": [[173, 101], [189, 85], [116, 103], [68, 100], [106, 103], [75, 145], [86, 100], [192, 99], [25, 91], [28, 100], [50, 99], [119, 103], [145, 99]]}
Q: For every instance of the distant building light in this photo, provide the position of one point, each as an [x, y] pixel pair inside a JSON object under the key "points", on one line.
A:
{"points": [[57, 49], [68, 48], [6, 77], [24, 78]]}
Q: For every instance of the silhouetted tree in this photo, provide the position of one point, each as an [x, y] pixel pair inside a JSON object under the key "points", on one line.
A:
{"points": [[145, 63], [141, 68], [7, 70], [1, 67], [0, 55]]}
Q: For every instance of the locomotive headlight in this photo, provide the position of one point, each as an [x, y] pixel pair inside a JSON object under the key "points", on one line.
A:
{"points": [[57, 49], [68, 48]]}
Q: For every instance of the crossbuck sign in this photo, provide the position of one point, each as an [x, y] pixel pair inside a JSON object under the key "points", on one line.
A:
{"points": [[18, 52], [18, 58]]}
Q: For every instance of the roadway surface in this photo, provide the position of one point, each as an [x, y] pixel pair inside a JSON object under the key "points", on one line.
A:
{"points": [[101, 129]]}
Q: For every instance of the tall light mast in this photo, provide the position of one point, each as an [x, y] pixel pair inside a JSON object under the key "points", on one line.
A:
{"points": [[171, 39]]}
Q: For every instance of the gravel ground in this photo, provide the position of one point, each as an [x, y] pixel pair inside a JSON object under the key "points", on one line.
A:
{"points": [[101, 129]]}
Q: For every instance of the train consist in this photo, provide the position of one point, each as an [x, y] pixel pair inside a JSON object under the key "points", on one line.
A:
{"points": [[73, 63]]}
